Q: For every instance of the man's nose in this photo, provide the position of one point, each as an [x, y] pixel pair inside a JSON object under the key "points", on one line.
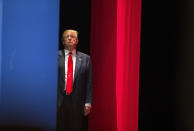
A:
{"points": [[69, 37]]}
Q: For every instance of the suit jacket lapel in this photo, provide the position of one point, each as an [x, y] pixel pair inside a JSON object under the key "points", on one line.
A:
{"points": [[77, 66]]}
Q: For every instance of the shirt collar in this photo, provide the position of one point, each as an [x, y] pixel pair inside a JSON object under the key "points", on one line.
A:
{"points": [[67, 52]]}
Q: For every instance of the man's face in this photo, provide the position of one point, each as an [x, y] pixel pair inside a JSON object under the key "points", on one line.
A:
{"points": [[70, 38]]}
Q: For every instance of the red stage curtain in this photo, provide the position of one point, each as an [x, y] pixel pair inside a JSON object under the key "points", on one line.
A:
{"points": [[127, 63], [103, 55], [115, 51]]}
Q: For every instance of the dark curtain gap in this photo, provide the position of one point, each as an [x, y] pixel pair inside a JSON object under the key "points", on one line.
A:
{"points": [[75, 14]]}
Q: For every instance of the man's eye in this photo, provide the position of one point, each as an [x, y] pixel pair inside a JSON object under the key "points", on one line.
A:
{"points": [[70, 36]]}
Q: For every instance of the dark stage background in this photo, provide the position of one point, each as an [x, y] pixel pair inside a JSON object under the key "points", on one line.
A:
{"points": [[167, 69]]}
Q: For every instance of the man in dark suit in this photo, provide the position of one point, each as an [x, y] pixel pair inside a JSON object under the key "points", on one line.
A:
{"points": [[74, 84]]}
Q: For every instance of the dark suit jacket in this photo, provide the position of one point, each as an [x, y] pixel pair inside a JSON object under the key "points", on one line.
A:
{"points": [[82, 85]]}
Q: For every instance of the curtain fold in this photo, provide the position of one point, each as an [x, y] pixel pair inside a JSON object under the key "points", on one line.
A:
{"points": [[115, 53], [127, 63]]}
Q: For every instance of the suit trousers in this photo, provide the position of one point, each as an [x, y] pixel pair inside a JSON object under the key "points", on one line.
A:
{"points": [[68, 118]]}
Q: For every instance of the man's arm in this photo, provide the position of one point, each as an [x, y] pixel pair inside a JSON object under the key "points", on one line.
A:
{"points": [[89, 89]]}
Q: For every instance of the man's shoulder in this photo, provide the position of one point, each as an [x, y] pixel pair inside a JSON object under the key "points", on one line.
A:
{"points": [[81, 54], [60, 52]]}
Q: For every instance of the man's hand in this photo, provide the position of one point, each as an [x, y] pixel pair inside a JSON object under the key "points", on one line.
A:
{"points": [[87, 110]]}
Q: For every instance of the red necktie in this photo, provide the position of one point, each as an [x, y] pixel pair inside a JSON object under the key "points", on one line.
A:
{"points": [[69, 84]]}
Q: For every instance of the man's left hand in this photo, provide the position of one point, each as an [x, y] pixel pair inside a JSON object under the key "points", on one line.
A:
{"points": [[87, 110]]}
